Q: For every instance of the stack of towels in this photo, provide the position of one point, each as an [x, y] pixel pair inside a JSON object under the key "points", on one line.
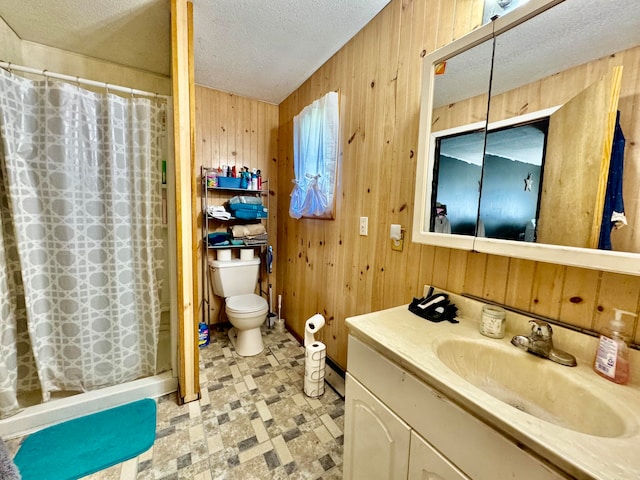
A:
{"points": [[247, 207], [254, 234]]}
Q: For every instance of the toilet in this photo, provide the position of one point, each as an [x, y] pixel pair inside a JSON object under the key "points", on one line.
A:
{"points": [[235, 280]]}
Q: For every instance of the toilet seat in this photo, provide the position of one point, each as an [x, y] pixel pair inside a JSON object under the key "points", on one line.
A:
{"points": [[246, 304]]}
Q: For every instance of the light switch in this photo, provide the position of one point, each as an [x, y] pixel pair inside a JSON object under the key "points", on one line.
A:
{"points": [[397, 237], [364, 226]]}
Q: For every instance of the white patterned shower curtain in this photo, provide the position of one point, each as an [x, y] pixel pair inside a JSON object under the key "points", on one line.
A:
{"points": [[81, 252]]}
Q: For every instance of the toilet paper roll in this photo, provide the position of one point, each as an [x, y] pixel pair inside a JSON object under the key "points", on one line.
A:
{"points": [[314, 368], [224, 255], [311, 326], [246, 254]]}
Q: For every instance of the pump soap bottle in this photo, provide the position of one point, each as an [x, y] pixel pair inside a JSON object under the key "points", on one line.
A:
{"points": [[612, 356]]}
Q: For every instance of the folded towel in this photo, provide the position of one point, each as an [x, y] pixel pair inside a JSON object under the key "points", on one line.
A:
{"points": [[246, 206], [218, 238], [251, 214], [8, 469], [246, 199], [257, 240], [218, 212], [240, 231]]}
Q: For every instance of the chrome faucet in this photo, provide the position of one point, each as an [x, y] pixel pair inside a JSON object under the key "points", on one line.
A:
{"points": [[540, 343]]}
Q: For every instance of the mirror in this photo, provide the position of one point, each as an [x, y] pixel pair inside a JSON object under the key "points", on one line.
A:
{"points": [[458, 106], [551, 60]]}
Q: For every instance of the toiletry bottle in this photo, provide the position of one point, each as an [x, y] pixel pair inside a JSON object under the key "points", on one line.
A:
{"points": [[612, 356], [203, 334]]}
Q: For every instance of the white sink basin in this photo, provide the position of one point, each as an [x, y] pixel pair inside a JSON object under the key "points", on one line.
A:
{"points": [[534, 385]]}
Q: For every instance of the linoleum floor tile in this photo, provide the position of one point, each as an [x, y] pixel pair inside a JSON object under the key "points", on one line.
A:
{"points": [[253, 421]]}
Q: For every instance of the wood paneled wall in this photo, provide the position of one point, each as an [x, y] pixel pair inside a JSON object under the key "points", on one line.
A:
{"points": [[233, 130], [326, 266]]}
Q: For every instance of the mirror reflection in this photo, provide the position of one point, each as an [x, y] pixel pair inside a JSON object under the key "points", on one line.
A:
{"points": [[496, 194], [456, 160], [457, 173], [511, 179], [579, 58]]}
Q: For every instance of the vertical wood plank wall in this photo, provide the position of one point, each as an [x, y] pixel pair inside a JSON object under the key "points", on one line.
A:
{"points": [[326, 266], [233, 130]]}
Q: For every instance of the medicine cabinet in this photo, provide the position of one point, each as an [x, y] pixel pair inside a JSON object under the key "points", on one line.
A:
{"points": [[517, 127]]}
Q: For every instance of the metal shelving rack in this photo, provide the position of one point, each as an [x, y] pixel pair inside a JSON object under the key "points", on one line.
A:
{"points": [[208, 221]]}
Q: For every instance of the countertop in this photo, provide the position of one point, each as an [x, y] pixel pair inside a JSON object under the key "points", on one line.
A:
{"points": [[412, 342]]}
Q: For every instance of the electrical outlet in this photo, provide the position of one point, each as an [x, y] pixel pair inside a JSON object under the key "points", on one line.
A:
{"points": [[364, 226]]}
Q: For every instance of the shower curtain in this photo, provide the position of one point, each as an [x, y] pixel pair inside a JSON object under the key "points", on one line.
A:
{"points": [[81, 254]]}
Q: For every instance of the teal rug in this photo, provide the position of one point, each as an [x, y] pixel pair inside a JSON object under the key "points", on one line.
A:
{"points": [[85, 445]]}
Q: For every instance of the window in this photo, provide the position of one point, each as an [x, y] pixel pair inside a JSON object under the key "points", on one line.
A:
{"points": [[315, 158]]}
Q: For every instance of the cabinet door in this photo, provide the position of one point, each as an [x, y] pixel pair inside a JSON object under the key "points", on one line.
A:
{"points": [[376, 441], [426, 463]]}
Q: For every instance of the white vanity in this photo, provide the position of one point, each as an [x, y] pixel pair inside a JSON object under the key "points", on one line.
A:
{"points": [[440, 401]]}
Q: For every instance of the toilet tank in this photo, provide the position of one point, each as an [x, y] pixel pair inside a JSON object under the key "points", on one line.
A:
{"points": [[234, 277]]}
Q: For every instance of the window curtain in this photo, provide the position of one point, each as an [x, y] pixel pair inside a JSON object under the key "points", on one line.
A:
{"points": [[315, 156], [81, 254]]}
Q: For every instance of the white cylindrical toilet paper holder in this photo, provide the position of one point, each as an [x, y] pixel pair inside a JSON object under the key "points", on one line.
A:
{"points": [[314, 367]]}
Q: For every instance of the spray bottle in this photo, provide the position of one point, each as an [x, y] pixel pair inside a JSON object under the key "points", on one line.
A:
{"points": [[612, 356]]}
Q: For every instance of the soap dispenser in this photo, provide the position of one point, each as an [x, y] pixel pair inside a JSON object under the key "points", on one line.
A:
{"points": [[612, 356]]}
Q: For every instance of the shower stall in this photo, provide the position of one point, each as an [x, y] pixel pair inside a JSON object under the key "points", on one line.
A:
{"points": [[86, 242]]}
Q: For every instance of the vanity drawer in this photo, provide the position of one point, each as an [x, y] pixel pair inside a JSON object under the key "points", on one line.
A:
{"points": [[475, 448]]}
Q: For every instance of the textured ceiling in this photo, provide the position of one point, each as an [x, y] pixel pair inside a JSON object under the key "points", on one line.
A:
{"points": [[571, 33], [266, 49], [134, 33], [254, 48]]}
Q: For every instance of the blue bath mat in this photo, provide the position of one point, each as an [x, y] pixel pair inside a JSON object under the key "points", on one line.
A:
{"points": [[85, 445]]}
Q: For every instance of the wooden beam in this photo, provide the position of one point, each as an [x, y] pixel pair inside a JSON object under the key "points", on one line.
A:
{"points": [[182, 79]]}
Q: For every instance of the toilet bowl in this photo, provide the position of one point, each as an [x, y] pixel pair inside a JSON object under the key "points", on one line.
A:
{"points": [[235, 280], [246, 313]]}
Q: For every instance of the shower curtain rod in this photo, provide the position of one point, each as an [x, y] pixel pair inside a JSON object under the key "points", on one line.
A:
{"points": [[107, 86]]}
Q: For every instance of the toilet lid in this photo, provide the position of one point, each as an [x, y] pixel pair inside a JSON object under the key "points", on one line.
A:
{"points": [[246, 303]]}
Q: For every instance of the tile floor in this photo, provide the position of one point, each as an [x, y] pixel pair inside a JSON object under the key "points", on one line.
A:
{"points": [[253, 421]]}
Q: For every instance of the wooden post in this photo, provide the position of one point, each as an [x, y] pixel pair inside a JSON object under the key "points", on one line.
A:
{"points": [[186, 255]]}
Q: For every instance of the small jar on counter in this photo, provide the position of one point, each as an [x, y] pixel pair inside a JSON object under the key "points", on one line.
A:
{"points": [[493, 322]]}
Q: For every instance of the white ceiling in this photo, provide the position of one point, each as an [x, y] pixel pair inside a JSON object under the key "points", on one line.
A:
{"points": [[254, 48]]}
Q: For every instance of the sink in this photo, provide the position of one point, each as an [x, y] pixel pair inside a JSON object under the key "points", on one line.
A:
{"points": [[532, 385]]}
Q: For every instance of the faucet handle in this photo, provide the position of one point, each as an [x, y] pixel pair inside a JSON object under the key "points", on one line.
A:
{"points": [[541, 328]]}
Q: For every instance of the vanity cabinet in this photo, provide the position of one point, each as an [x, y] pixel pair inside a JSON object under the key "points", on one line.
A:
{"points": [[382, 446], [378, 440], [398, 426], [425, 462]]}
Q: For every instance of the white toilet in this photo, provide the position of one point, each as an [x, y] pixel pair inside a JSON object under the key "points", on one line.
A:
{"points": [[235, 280]]}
